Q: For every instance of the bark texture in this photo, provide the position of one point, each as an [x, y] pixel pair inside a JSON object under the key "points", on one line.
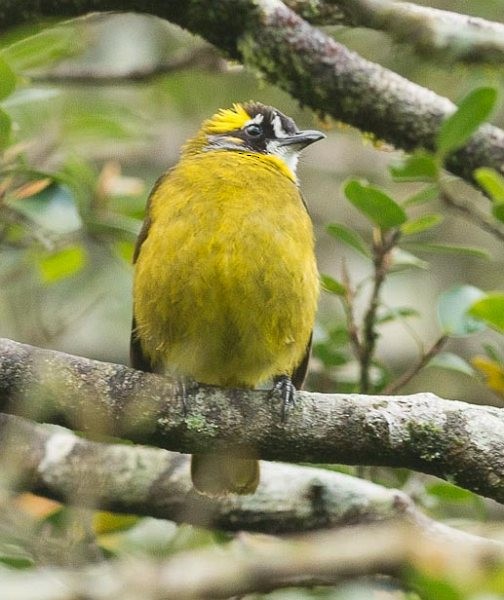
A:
{"points": [[457, 441], [54, 462], [310, 65]]}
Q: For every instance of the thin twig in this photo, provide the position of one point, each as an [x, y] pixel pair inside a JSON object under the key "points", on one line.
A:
{"points": [[407, 376], [348, 303], [473, 214], [383, 243]]}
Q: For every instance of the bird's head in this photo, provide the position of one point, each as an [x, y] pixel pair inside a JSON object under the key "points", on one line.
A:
{"points": [[254, 128]]}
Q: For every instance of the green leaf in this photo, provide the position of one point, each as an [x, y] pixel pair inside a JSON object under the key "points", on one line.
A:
{"points": [[125, 250], [62, 264], [425, 195], [401, 259], [490, 309], [491, 181], [472, 111], [375, 204], [421, 224], [338, 335], [7, 80], [449, 492], [430, 587], [43, 48], [349, 237], [5, 128], [452, 310], [332, 286], [52, 209], [329, 356], [451, 362], [498, 211], [400, 312], [421, 166], [17, 562], [449, 249]]}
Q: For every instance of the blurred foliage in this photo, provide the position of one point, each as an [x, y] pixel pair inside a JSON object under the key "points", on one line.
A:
{"points": [[76, 166]]}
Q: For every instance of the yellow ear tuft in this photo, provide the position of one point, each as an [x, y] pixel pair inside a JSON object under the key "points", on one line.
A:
{"points": [[227, 119]]}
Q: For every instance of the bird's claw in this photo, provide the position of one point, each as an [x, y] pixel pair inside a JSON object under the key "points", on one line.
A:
{"points": [[284, 389], [183, 387]]}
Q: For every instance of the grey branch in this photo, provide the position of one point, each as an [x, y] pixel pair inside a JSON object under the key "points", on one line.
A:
{"points": [[307, 63], [203, 57], [249, 565], [451, 36], [454, 440], [54, 462]]}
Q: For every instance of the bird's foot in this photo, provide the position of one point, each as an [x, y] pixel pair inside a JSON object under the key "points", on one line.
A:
{"points": [[183, 388], [284, 390]]}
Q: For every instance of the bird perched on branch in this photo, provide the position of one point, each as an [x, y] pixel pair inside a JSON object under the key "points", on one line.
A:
{"points": [[226, 283]]}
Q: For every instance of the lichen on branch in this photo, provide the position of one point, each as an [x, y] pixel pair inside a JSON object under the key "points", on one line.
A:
{"points": [[451, 439]]}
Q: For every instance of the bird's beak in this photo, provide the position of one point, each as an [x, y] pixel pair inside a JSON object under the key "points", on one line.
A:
{"points": [[301, 138]]}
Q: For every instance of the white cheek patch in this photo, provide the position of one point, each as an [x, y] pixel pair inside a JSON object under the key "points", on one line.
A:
{"points": [[286, 153], [278, 129]]}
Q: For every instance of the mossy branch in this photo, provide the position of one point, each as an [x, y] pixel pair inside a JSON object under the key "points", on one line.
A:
{"points": [[451, 439], [54, 462], [310, 65]]}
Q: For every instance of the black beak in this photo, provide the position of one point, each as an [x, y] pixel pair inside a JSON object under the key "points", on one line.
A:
{"points": [[301, 138]]}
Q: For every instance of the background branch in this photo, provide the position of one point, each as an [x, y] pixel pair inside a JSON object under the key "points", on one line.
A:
{"points": [[249, 565], [204, 57], [430, 31], [422, 362], [473, 214], [310, 65], [54, 462], [383, 244], [447, 438]]}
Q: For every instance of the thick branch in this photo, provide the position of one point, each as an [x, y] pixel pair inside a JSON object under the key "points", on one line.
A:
{"points": [[310, 65], [447, 438], [431, 31], [54, 462], [247, 566]]}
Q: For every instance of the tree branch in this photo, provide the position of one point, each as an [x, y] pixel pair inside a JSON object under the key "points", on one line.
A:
{"points": [[56, 463], [431, 31], [383, 244], [203, 57], [473, 214], [249, 565], [447, 438], [422, 362], [311, 66]]}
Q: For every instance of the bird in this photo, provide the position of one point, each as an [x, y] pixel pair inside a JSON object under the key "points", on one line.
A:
{"points": [[226, 283]]}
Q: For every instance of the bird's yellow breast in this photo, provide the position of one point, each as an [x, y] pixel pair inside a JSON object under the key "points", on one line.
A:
{"points": [[226, 283]]}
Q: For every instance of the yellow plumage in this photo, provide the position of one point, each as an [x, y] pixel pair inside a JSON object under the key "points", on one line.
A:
{"points": [[226, 291], [226, 283]]}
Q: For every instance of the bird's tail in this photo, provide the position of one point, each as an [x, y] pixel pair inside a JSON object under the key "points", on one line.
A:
{"points": [[218, 475]]}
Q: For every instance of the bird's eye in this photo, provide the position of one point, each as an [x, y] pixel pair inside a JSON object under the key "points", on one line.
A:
{"points": [[253, 130]]}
